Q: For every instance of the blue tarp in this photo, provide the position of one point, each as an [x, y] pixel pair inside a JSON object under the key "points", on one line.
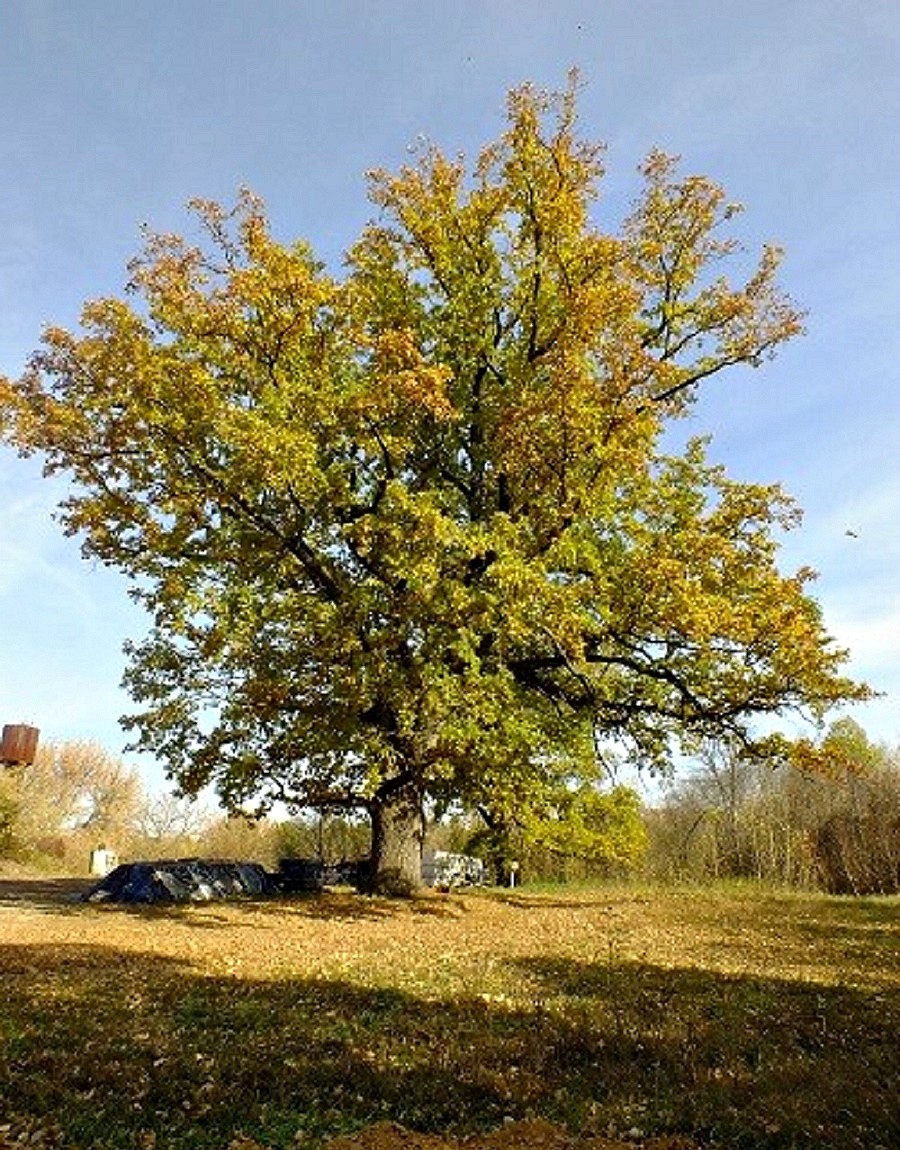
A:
{"points": [[182, 880]]}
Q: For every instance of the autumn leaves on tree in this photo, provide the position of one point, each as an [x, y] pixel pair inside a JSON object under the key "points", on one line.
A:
{"points": [[410, 533]]}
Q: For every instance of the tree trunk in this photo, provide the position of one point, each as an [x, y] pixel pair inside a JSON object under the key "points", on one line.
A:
{"points": [[398, 832]]}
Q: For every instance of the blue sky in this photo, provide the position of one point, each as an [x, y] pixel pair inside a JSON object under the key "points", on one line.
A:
{"points": [[116, 112]]}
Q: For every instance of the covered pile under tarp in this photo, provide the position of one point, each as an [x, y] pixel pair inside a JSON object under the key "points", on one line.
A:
{"points": [[295, 875], [182, 880]]}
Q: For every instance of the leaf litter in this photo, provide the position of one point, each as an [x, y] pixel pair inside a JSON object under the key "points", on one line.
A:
{"points": [[570, 1020]]}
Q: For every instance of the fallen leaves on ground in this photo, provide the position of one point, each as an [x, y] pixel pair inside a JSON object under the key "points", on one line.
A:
{"points": [[532, 1134], [714, 1018]]}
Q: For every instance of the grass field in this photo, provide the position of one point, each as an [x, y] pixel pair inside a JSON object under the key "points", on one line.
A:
{"points": [[740, 1018]]}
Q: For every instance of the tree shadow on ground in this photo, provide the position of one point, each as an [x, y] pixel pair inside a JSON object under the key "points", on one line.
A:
{"points": [[66, 896], [747, 1061], [124, 1050], [330, 906], [57, 894], [581, 902], [350, 904]]}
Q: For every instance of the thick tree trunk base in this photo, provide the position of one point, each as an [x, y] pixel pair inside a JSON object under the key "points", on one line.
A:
{"points": [[398, 832]]}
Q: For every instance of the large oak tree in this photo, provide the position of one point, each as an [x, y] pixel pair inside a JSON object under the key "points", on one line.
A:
{"points": [[411, 532]]}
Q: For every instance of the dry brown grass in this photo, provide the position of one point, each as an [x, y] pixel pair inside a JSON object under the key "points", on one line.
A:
{"points": [[739, 1018]]}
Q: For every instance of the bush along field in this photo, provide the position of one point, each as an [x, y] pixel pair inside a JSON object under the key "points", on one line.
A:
{"points": [[724, 1017]]}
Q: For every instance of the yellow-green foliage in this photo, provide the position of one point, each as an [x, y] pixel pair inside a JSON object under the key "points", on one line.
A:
{"points": [[605, 828], [9, 810]]}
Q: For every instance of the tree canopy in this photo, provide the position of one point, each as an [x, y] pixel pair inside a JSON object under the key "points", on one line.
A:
{"points": [[411, 531]]}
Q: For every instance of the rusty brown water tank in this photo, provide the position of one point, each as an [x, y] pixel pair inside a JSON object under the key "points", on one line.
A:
{"points": [[19, 744]]}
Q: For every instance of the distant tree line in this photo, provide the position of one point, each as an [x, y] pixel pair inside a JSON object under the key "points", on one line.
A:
{"points": [[835, 827], [77, 797]]}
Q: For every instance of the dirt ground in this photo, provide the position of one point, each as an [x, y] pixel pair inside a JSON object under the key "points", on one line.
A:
{"points": [[532, 1135]]}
